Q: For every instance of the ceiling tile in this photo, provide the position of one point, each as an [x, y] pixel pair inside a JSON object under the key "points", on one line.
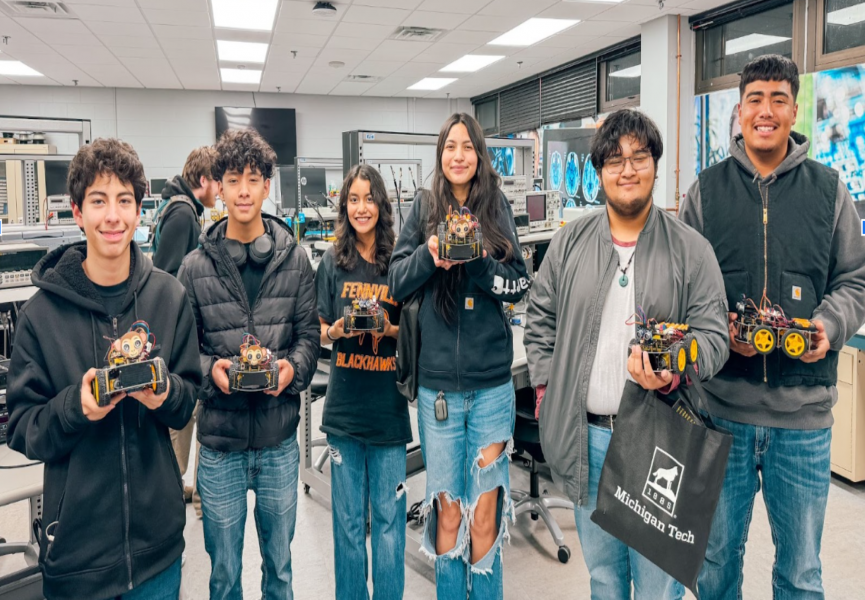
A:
{"points": [[199, 52], [116, 76], [448, 52], [575, 10], [380, 68], [137, 52], [170, 4], [352, 43], [132, 29], [407, 4], [390, 86], [289, 65], [157, 16], [300, 39], [434, 20], [516, 8], [393, 49], [287, 81], [315, 87], [370, 32], [169, 32], [128, 41], [51, 27], [419, 70], [108, 14], [494, 24], [478, 38], [374, 16], [307, 26], [465, 7], [350, 88], [631, 13], [91, 55], [589, 29]]}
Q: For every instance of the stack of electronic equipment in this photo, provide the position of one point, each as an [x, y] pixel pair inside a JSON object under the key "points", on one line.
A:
{"points": [[17, 262], [534, 211], [4, 412]]}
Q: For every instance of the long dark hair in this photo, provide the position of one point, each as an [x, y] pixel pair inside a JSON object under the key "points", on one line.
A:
{"points": [[484, 202], [346, 237]]}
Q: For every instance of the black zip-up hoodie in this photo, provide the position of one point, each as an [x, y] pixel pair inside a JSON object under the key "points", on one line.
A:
{"points": [[113, 495], [476, 352]]}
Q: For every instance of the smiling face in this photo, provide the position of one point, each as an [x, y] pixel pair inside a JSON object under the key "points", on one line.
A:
{"points": [[108, 215], [767, 113], [459, 158], [131, 344], [254, 355], [361, 207], [243, 194], [630, 191]]}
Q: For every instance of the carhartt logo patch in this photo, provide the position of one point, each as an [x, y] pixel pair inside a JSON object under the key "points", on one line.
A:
{"points": [[470, 303], [797, 292], [662, 483]]}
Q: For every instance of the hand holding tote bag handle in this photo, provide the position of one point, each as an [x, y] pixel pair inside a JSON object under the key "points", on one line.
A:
{"points": [[661, 481], [408, 338]]}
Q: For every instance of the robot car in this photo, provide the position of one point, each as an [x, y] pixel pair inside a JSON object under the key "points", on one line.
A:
{"points": [[364, 315], [460, 238], [670, 346], [254, 370], [767, 327], [129, 368]]}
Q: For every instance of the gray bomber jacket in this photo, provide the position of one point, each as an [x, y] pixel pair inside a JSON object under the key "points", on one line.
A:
{"points": [[677, 279]]}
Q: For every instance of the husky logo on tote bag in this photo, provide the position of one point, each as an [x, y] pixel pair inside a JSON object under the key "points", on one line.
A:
{"points": [[662, 484]]}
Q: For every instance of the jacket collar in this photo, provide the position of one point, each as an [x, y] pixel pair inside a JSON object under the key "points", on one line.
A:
{"points": [[607, 236], [797, 152]]}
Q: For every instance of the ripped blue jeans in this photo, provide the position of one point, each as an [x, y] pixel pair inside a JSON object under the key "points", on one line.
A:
{"points": [[451, 450]]}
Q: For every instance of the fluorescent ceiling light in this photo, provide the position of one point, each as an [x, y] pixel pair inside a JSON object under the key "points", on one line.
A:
{"points": [[532, 32], [17, 68], [257, 15], [240, 76], [847, 16], [471, 63], [752, 41], [432, 83], [629, 72], [241, 51]]}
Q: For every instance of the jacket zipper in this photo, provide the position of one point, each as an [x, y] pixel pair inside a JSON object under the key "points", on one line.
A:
{"points": [[765, 201], [125, 470]]}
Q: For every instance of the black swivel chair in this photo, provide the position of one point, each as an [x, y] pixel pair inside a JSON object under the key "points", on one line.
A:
{"points": [[318, 390], [527, 440]]}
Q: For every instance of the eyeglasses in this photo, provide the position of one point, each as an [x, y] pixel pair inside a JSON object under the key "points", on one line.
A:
{"points": [[640, 161]]}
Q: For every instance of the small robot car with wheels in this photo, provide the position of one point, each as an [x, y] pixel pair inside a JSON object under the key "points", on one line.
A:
{"points": [[254, 370], [364, 315], [460, 238], [670, 346], [766, 328], [129, 368]]}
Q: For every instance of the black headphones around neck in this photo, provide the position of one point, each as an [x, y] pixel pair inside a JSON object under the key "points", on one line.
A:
{"points": [[260, 250]]}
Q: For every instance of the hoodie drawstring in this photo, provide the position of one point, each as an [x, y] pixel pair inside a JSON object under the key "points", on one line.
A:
{"points": [[93, 332]]}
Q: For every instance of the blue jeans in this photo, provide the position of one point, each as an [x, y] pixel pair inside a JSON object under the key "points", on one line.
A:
{"points": [[163, 586], [792, 465], [223, 481], [451, 450], [363, 475], [612, 565]]}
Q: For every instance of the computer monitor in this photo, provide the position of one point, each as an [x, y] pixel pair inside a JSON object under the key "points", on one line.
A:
{"points": [[56, 172], [536, 206], [156, 186]]}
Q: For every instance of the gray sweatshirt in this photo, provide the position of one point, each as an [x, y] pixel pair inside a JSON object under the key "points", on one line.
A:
{"points": [[676, 278], [842, 311]]}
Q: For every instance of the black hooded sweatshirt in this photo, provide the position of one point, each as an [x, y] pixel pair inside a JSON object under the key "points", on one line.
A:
{"points": [[112, 488], [179, 227]]}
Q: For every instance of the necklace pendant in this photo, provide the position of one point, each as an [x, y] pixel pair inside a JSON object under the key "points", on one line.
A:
{"points": [[623, 280]]}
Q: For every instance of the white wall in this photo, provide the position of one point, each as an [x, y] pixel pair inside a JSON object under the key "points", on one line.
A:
{"points": [[164, 125]]}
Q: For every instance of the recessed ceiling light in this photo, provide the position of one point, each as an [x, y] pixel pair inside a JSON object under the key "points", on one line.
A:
{"points": [[17, 68], [257, 15], [751, 42], [431, 83], [241, 51], [847, 16], [471, 63], [533, 31], [634, 71], [240, 76]]}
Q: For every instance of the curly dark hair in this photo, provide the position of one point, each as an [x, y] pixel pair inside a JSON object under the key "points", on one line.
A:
{"points": [[105, 156], [346, 237], [626, 122], [241, 148]]}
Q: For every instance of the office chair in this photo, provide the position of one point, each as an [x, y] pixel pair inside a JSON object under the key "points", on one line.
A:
{"points": [[527, 440]]}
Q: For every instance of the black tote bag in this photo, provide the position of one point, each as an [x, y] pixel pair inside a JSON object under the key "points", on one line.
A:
{"points": [[408, 338], [662, 478]]}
